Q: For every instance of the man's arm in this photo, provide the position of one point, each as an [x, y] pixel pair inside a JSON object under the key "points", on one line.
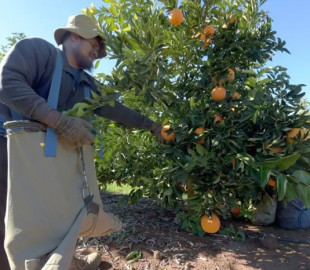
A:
{"points": [[22, 69], [128, 117]]}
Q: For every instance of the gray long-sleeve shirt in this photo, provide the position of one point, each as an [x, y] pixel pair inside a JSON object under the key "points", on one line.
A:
{"points": [[25, 79]]}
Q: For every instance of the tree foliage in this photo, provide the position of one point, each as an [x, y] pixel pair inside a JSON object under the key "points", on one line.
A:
{"points": [[10, 42], [168, 73]]}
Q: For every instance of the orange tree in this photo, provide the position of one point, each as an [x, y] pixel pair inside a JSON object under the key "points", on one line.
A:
{"points": [[207, 70]]}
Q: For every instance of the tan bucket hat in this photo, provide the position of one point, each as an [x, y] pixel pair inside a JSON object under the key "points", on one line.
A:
{"points": [[85, 27]]}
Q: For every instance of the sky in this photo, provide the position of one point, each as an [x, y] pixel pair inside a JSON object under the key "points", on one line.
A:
{"points": [[39, 18]]}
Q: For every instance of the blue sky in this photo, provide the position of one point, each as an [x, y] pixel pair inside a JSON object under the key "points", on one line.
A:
{"points": [[40, 18]]}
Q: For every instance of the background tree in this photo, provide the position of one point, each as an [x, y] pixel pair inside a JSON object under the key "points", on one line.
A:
{"points": [[10, 42]]}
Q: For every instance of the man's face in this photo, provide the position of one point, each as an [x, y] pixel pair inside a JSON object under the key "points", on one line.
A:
{"points": [[86, 52]]}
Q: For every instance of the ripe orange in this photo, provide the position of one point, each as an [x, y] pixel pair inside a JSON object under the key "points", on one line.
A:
{"points": [[211, 192], [275, 150], [199, 131], [218, 93], [207, 43], [236, 95], [272, 182], [217, 118], [235, 211], [231, 75], [176, 16], [167, 136], [232, 19], [203, 37], [210, 225], [293, 133], [209, 30]]}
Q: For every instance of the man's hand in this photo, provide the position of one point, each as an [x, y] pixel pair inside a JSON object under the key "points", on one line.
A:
{"points": [[156, 129], [74, 130]]}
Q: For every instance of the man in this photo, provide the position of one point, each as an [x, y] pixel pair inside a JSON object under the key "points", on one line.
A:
{"points": [[25, 79]]}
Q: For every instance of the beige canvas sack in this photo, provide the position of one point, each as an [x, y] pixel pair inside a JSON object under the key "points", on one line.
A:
{"points": [[46, 212]]}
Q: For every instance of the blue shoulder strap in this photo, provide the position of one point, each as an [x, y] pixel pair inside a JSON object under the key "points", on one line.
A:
{"points": [[51, 135], [87, 94]]}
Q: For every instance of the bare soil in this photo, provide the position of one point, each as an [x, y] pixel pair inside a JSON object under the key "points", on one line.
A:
{"points": [[155, 232]]}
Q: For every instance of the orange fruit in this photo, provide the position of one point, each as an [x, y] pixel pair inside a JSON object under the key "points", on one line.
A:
{"points": [[199, 131], [210, 225], [207, 43], [231, 75], [272, 182], [235, 211], [217, 118], [176, 16], [211, 192], [218, 93], [236, 95], [167, 136], [293, 133], [232, 19], [275, 150], [209, 30], [203, 37]]}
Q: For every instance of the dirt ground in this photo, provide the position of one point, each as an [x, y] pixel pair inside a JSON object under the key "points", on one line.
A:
{"points": [[154, 231]]}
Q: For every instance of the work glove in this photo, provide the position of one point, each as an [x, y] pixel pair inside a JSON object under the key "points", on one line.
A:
{"points": [[74, 130], [156, 129]]}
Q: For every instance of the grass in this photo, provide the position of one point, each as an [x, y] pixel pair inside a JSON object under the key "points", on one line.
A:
{"points": [[114, 188]]}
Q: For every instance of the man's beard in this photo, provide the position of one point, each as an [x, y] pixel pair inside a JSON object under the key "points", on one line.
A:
{"points": [[83, 62]]}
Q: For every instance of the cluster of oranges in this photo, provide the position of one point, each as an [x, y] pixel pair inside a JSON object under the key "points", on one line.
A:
{"points": [[210, 224]]}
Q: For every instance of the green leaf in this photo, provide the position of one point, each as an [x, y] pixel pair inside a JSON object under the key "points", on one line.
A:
{"points": [[94, 95], [281, 186], [126, 29], [290, 191], [97, 63], [302, 176], [168, 192], [200, 149], [264, 81], [264, 176], [112, 103], [304, 194], [282, 163], [251, 82]]}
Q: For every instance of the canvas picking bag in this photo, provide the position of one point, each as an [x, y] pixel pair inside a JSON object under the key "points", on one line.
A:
{"points": [[46, 211]]}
